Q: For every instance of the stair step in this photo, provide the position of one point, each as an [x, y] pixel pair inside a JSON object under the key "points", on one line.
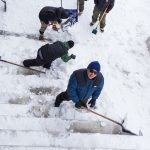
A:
{"points": [[43, 148], [72, 140], [57, 125], [14, 110], [45, 111]]}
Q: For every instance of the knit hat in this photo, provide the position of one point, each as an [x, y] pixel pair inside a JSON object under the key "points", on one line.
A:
{"points": [[70, 43], [94, 65]]}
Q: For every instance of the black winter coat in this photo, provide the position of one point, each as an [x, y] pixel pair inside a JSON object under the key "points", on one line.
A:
{"points": [[50, 52], [50, 14], [102, 4]]}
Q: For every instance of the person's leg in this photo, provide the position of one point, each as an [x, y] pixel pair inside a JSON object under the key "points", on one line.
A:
{"points": [[33, 62], [95, 15], [63, 96], [30, 62], [42, 30], [81, 6], [103, 21]]}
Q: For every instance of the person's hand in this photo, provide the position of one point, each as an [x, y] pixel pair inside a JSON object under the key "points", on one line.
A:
{"points": [[73, 56], [92, 102], [79, 104]]}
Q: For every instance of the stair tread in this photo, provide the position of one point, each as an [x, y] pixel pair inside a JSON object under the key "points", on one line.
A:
{"points": [[72, 140]]}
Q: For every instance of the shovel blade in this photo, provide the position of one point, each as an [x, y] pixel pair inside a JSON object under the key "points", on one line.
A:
{"points": [[94, 31]]}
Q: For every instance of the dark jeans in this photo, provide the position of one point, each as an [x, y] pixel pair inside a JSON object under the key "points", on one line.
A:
{"points": [[37, 62], [63, 96]]}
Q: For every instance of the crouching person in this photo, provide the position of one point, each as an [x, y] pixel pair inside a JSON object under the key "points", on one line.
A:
{"points": [[83, 84], [49, 52], [51, 15]]}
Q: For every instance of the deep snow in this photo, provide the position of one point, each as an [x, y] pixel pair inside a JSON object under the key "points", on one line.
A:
{"points": [[121, 50]]}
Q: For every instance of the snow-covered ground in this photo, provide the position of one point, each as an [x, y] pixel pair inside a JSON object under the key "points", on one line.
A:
{"points": [[121, 50]]}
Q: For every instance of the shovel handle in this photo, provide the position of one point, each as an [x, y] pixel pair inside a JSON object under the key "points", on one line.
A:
{"points": [[103, 116], [102, 16], [21, 66]]}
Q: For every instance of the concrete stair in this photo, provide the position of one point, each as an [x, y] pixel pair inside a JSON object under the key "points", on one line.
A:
{"points": [[72, 140], [21, 130]]}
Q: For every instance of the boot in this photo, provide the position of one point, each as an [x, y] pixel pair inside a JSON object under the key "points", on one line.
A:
{"points": [[25, 63], [58, 101], [30, 62], [41, 37], [102, 30], [91, 24], [80, 13]]}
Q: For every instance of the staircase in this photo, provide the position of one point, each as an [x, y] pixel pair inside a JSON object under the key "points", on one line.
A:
{"points": [[21, 130]]}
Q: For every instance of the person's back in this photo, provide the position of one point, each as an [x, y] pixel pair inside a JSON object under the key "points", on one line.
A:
{"points": [[51, 15], [49, 52], [47, 14], [54, 50]]}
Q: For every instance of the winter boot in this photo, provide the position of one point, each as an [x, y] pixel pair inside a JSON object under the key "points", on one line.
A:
{"points": [[58, 101], [91, 24], [25, 63], [41, 37], [102, 30], [80, 13]]}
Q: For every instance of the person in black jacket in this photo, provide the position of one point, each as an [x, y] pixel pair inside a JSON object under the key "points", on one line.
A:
{"points": [[49, 52], [51, 15], [100, 6]]}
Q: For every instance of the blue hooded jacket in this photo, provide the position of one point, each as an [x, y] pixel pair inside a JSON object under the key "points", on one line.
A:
{"points": [[81, 88]]}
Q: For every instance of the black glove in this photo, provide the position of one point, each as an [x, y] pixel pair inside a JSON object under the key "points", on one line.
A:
{"points": [[79, 104], [73, 56], [92, 102]]}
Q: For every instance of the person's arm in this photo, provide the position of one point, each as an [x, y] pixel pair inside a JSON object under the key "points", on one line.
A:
{"points": [[96, 94], [72, 88], [66, 57]]}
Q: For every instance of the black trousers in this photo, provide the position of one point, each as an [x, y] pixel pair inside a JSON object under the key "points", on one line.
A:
{"points": [[63, 96], [38, 61]]}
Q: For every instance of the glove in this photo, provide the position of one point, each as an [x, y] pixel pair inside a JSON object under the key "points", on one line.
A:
{"points": [[79, 104], [92, 102], [73, 56]]}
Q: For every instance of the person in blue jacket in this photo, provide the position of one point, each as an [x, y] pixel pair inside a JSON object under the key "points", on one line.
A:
{"points": [[83, 84]]}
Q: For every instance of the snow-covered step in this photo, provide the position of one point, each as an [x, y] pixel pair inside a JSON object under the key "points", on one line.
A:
{"points": [[57, 125], [73, 140], [14, 110], [44, 148], [45, 111]]}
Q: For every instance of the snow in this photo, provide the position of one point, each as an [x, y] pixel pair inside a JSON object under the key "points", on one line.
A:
{"points": [[121, 50]]}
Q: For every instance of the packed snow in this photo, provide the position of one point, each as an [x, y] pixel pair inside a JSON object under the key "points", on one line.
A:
{"points": [[121, 51]]}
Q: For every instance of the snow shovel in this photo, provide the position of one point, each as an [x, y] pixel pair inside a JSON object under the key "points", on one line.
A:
{"points": [[120, 124], [94, 31], [21, 66]]}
